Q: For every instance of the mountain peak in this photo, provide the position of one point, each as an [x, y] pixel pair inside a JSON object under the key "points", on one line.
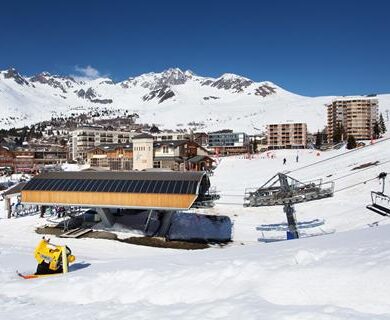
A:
{"points": [[12, 73], [155, 81], [231, 81], [232, 76]]}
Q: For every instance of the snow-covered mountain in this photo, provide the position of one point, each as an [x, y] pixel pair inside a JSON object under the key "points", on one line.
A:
{"points": [[171, 99]]}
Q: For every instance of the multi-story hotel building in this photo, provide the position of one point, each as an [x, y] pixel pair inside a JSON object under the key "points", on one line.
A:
{"points": [[84, 139], [287, 136], [227, 142], [357, 116]]}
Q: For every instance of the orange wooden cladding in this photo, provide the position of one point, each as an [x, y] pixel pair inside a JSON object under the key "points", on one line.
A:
{"points": [[107, 199]]}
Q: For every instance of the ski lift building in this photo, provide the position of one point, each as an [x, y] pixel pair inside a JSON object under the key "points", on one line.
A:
{"points": [[134, 189]]}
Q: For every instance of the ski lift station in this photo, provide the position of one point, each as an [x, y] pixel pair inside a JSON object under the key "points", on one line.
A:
{"points": [[134, 189], [164, 194]]}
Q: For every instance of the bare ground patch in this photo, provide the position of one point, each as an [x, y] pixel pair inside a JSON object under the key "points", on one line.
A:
{"points": [[142, 241], [366, 165]]}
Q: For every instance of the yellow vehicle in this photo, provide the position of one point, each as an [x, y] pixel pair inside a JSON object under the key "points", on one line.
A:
{"points": [[52, 259]]}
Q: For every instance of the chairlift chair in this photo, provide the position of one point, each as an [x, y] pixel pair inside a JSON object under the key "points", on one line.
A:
{"points": [[380, 202]]}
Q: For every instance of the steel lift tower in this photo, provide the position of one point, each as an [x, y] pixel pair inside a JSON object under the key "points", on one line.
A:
{"points": [[284, 190]]}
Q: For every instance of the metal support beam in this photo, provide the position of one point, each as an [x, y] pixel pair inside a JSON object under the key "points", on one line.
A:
{"points": [[148, 221], [165, 224], [292, 222], [106, 216]]}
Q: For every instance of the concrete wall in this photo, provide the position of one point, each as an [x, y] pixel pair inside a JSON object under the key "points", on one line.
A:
{"points": [[142, 154]]}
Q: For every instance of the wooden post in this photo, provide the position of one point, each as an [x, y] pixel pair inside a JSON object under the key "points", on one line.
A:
{"points": [[65, 266], [7, 204]]}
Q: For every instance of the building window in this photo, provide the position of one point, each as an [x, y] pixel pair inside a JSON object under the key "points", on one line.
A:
{"points": [[165, 149], [156, 164]]}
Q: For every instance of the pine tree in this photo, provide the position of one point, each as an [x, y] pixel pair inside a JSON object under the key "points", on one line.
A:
{"points": [[376, 130], [351, 142], [382, 125], [318, 140], [337, 134], [255, 145]]}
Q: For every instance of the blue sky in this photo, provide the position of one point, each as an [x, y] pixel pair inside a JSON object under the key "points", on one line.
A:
{"points": [[308, 47]]}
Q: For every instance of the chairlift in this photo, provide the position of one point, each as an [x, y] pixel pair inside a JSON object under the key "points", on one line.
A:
{"points": [[380, 202], [284, 190]]}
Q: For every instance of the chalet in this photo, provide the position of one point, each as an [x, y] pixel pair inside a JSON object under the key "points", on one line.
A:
{"points": [[6, 157], [23, 159], [115, 157], [202, 138], [181, 155], [47, 155]]}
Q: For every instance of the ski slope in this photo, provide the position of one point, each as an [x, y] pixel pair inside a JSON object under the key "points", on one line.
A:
{"points": [[345, 211], [342, 275]]}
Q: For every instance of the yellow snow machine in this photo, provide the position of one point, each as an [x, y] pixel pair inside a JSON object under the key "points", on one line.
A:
{"points": [[52, 259]]}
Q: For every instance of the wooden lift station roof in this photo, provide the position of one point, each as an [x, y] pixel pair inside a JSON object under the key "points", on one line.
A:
{"points": [[131, 189]]}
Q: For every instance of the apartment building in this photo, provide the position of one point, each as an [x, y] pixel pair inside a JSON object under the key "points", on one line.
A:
{"points": [[84, 139], [164, 136], [357, 116], [227, 142], [287, 136]]}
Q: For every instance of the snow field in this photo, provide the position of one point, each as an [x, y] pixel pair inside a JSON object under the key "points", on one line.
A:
{"points": [[329, 277], [345, 211], [344, 275]]}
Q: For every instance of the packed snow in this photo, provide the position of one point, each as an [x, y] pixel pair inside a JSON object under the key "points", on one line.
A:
{"points": [[341, 275]]}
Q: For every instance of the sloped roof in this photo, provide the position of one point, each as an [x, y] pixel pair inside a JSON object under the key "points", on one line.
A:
{"points": [[143, 136], [123, 182], [14, 189], [199, 158]]}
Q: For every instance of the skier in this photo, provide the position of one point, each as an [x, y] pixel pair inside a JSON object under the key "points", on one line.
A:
{"points": [[284, 161]]}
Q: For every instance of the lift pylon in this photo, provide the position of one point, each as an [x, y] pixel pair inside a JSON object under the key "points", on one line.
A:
{"points": [[284, 190]]}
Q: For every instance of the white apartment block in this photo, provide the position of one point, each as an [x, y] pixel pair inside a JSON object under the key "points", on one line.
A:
{"points": [[166, 136], [356, 115], [287, 136], [84, 139]]}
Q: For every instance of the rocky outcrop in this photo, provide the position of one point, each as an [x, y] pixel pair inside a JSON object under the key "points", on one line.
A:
{"points": [[231, 82], [61, 82], [15, 75], [265, 90], [160, 94]]}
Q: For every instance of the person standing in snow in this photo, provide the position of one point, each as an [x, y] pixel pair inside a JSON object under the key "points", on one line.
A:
{"points": [[284, 161], [43, 209], [297, 158]]}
